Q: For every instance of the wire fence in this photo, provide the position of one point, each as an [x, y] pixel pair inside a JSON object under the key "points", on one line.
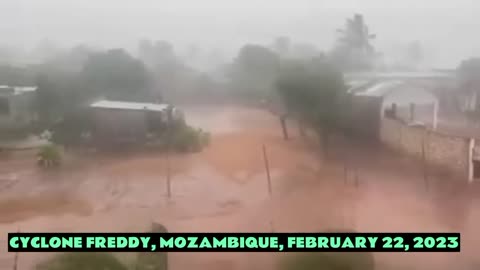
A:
{"points": [[7, 260], [17, 261]]}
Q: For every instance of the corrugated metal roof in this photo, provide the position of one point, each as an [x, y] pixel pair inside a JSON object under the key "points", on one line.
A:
{"points": [[26, 88], [16, 90], [356, 84], [20, 90], [359, 86], [380, 89], [401, 75], [110, 104]]}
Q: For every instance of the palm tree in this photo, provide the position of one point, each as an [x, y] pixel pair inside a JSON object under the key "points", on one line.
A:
{"points": [[356, 35], [353, 49]]}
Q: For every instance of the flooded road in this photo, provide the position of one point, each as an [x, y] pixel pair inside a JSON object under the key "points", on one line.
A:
{"points": [[224, 189]]}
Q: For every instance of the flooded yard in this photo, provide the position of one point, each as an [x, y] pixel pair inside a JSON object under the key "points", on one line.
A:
{"points": [[224, 189]]}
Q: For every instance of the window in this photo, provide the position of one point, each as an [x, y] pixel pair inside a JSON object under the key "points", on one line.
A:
{"points": [[4, 106]]}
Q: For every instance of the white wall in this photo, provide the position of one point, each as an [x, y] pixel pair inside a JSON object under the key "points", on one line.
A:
{"points": [[21, 111], [424, 101], [403, 96]]}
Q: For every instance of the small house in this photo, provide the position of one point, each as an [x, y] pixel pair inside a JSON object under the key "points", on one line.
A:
{"points": [[17, 109], [120, 121], [372, 100]]}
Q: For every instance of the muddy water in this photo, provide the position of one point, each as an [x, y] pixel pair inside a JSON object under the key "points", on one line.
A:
{"points": [[224, 189]]}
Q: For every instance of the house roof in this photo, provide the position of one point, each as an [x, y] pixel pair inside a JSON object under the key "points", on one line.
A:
{"points": [[402, 75], [395, 91], [17, 90], [123, 105], [379, 89]]}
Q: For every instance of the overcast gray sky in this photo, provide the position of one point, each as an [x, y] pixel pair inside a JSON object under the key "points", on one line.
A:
{"points": [[447, 28]]}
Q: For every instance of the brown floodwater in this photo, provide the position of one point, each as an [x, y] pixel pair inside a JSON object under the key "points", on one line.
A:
{"points": [[224, 189]]}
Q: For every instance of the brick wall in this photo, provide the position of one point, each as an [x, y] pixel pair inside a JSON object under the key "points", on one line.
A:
{"points": [[446, 151]]}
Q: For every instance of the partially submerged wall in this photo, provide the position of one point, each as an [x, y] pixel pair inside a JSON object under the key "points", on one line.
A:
{"points": [[112, 124], [362, 116], [446, 151]]}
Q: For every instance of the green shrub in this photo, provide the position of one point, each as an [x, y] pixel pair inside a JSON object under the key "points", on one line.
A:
{"points": [[49, 156], [188, 139], [158, 228], [82, 261], [68, 131], [179, 137]]}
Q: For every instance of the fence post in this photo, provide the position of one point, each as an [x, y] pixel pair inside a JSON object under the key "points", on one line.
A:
{"points": [[15, 258], [169, 187], [283, 122], [424, 162], [267, 168], [356, 178], [470, 158]]}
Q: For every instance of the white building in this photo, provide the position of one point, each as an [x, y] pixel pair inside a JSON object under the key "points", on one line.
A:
{"points": [[16, 106], [412, 93]]}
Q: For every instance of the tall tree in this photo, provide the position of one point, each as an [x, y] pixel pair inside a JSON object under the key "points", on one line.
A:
{"points": [[282, 45], [71, 61], [469, 77], [47, 99], [117, 75], [253, 71], [171, 75], [15, 76], [414, 53], [311, 91], [353, 50]]}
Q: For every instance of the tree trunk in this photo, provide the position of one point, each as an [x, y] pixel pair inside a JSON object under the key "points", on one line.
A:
{"points": [[324, 137], [301, 128], [283, 122]]}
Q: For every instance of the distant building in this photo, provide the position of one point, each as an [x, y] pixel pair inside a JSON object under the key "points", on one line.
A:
{"points": [[16, 107], [412, 75], [119, 121], [371, 100]]}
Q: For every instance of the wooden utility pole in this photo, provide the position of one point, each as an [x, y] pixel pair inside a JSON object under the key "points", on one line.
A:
{"points": [[267, 168], [424, 164], [169, 187], [301, 129], [357, 179], [169, 148]]}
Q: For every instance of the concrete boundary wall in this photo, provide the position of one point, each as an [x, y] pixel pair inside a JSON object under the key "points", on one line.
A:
{"points": [[446, 151]]}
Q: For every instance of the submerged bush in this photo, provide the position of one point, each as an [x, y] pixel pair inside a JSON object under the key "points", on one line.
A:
{"points": [[329, 261], [82, 261], [189, 139], [69, 131], [155, 260], [49, 156]]}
